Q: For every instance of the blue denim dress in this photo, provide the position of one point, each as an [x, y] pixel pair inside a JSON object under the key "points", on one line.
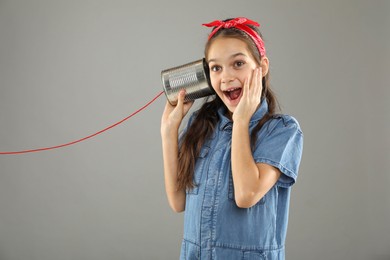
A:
{"points": [[214, 227]]}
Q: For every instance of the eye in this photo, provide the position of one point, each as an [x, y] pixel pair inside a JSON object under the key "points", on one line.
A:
{"points": [[239, 64], [215, 68]]}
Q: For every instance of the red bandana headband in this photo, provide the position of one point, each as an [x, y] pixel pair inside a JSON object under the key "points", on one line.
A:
{"points": [[240, 23]]}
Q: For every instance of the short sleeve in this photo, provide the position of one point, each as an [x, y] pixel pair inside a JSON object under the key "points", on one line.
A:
{"points": [[280, 144]]}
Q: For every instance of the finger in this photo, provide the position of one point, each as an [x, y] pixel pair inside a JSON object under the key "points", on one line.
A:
{"points": [[246, 87], [251, 77], [252, 83], [259, 84], [261, 81], [180, 98], [168, 107], [255, 83]]}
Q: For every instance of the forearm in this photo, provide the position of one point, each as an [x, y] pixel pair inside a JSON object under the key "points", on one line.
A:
{"points": [[176, 197], [251, 180], [244, 169]]}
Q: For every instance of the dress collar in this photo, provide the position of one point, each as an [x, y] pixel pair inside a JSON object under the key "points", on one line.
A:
{"points": [[226, 123]]}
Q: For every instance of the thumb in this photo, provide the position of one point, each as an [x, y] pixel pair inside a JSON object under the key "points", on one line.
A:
{"points": [[180, 98]]}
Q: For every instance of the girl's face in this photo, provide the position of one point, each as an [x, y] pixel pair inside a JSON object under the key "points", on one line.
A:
{"points": [[230, 64]]}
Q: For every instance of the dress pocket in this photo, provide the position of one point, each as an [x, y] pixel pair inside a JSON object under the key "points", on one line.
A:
{"points": [[189, 251], [231, 191], [199, 169], [254, 255]]}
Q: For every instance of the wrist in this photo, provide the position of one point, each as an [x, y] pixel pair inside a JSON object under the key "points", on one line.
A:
{"points": [[240, 129], [169, 131], [241, 122]]}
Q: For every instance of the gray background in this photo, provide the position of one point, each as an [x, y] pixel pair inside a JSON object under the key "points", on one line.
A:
{"points": [[71, 68]]}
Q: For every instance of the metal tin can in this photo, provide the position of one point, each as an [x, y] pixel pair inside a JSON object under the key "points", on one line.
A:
{"points": [[194, 77]]}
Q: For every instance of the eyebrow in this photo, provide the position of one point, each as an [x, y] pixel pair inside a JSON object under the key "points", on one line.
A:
{"points": [[231, 56]]}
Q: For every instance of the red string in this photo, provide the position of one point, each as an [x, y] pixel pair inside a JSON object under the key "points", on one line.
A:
{"points": [[87, 137]]}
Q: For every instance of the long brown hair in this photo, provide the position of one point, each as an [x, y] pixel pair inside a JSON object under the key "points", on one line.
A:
{"points": [[206, 118]]}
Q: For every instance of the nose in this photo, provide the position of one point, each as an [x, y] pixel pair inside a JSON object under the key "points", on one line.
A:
{"points": [[227, 76]]}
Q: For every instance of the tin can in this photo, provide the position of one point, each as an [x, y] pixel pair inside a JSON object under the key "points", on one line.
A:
{"points": [[194, 77]]}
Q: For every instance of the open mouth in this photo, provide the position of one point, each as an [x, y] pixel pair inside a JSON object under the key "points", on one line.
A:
{"points": [[233, 94]]}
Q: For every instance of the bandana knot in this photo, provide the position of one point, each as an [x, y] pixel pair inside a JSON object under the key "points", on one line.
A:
{"points": [[240, 23]]}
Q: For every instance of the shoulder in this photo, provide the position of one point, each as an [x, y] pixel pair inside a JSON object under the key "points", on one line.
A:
{"points": [[280, 144], [282, 122]]}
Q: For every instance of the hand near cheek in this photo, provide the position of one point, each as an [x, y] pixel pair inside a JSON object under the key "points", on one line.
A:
{"points": [[250, 99]]}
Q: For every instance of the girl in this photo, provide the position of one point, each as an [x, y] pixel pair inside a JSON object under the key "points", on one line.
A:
{"points": [[233, 167]]}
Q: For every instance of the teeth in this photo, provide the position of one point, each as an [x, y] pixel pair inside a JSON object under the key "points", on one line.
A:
{"points": [[230, 90]]}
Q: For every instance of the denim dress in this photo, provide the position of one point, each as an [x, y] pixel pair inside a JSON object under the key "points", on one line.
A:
{"points": [[214, 227]]}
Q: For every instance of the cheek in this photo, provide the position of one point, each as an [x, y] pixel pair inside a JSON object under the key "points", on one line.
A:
{"points": [[214, 83], [247, 73]]}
